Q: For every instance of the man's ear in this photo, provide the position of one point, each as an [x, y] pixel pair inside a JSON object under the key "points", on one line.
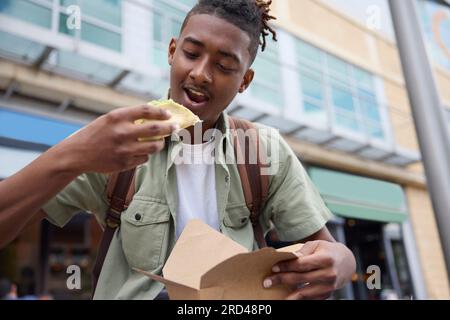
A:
{"points": [[172, 49], [248, 78]]}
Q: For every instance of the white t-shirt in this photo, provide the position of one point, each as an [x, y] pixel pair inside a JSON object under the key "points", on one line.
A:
{"points": [[196, 184]]}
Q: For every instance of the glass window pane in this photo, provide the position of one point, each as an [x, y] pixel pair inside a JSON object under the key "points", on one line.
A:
{"points": [[363, 78], [376, 132], [343, 99], [109, 11], [175, 28], [346, 121], [168, 10], [267, 71], [370, 111], [88, 67], [312, 87], [63, 25], [271, 51], [338, 67], [308, 52], [159, 57], [19, 47], [27, 11], [369, 105], [100, 36], [267, 84], [367, 95], [266, 94], [66, 3], [157, 28], [189, 3], [314, 112], [166, 21]]}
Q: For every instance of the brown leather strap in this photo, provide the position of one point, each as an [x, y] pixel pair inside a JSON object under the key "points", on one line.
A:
{"points": [[255, 185], [112, 180], [122, 185]]}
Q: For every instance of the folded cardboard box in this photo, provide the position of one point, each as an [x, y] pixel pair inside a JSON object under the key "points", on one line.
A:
{"points": [[206, 265]]}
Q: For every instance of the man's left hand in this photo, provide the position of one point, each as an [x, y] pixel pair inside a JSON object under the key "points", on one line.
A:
{"points": [[321, 268]]}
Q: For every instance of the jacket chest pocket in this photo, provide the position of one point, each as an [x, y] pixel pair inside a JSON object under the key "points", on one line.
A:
{"points": [[236, 217], [237, 225], [144, 231]]}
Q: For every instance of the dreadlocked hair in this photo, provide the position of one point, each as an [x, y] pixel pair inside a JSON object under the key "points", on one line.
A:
{"points": [[265, 18], [251, 16]]}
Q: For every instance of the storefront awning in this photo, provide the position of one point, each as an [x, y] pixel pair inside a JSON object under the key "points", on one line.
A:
{"points": [[358, 197], [30, 128]]}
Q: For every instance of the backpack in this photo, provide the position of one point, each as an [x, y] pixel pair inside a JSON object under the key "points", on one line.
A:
{"points": [[121, 188]]}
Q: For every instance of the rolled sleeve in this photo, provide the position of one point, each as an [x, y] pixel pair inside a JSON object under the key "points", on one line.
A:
{"points": [[84, 194], [294, 205]]}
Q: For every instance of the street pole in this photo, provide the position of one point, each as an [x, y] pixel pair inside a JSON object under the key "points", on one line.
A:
{"points": [[428, 114]]}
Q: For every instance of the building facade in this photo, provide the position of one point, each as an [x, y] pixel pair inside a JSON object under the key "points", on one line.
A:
{"points": [[331, 85]]}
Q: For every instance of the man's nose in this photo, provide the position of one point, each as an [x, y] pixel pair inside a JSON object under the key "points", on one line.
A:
{"points": [[201, 73]]}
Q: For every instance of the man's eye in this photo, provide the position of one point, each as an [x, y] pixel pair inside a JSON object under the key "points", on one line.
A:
{"points": [[224, 68], [190, 55]]}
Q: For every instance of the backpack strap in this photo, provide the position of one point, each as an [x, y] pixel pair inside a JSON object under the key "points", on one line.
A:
{"points": [[112, 181], [120, 190], [254, 184]]}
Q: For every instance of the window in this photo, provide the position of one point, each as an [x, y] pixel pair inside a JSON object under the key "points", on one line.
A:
{"points": [[338, 69], [344, 107], [188, 3], [94, 70], [267, 84], [101, 22], [101, 19], [35, 12], [311, 81], [167, 19], [349, 92], [18, 47]]}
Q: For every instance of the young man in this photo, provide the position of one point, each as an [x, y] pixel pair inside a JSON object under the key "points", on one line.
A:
{"points": [[210, 64]]}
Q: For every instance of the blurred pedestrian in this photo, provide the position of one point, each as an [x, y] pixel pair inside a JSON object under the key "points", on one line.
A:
{"points": [[8, 289]]}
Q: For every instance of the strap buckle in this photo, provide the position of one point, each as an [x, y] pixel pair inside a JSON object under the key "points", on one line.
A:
{"points": [[113, 220], [111, 224]]}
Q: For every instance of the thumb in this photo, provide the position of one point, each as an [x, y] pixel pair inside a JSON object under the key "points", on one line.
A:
{"points": [[307, 249]]}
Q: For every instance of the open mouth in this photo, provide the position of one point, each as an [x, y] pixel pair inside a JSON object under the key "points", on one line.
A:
{"points": [[196, 97]]}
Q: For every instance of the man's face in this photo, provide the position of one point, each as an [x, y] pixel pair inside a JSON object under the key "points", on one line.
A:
{"points": [[209, 65]]}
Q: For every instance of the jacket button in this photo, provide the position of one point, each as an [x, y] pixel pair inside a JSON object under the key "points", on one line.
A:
{"points": [[227, 179], [137, 216], [243, 220]]}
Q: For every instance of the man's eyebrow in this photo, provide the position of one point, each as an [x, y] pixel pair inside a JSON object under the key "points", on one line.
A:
{"points": [[194, 41], [230, 55], [221, 52]]}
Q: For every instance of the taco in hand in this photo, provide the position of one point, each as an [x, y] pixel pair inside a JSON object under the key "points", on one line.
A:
{"points": [[180, 115]]}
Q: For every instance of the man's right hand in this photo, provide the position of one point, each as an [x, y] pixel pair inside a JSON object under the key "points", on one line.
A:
{"points": [[110, 143]]}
